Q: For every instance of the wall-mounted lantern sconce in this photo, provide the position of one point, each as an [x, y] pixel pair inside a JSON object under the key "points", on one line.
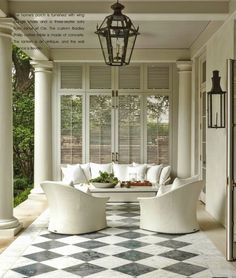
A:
{"points": [[216, 103]]}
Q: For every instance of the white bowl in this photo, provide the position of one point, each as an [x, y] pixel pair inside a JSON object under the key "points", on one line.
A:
{"points": [[103, 185]]}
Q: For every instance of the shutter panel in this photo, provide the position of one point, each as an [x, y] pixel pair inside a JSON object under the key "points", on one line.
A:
{"points": [[158, 77], [71, 77], [100, 77], [129, 77]]}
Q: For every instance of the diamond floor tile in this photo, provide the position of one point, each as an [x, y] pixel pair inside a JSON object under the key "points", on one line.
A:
{"points": [[184, 268], [33, 269], [84, 269], [131, 244], [88, 255], [91, 244], [42, 256], [50, 244], [133, 255], [178, 255], [174, 244], [131, 235], [134, 269]]}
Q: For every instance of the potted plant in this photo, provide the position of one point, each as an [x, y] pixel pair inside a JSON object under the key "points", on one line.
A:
{"points": [[104, 180]]}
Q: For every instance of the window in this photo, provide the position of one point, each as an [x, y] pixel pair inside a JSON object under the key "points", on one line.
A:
{"points": [[113, 117], [157, 129], [71, 129], [129, 144], [100, 128]]}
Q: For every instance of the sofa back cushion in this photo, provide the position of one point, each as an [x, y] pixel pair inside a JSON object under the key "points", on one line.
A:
{"points": [[86, 168], [165, 174], [121, 171], [73, 173], [153, 173], [137, 172], [96, 167], [83, 187], [178, 182]]}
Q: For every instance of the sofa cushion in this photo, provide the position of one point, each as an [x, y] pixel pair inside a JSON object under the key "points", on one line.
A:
{"points": [[178, 182], [73, 173], [121, 171], [86, 168], [164, 189], [137, 172], [165, 174], [153, 173], [95, 168], [83, 187]]}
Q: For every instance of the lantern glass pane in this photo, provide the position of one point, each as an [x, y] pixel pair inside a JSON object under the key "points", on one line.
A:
{"points": [[129, 49], [105, 48], [216, 110], [209, 112]]}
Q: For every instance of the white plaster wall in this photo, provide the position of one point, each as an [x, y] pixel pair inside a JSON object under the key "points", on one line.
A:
{"points": [[219, 48]]}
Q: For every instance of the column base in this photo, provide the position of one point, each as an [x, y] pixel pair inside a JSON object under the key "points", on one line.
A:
{"points": [[10, 228], [37, 194]]}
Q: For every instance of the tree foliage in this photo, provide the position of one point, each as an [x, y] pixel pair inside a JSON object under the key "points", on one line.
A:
{"points": [[23, 116]]}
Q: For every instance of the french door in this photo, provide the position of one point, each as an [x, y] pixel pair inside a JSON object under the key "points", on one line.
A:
{"points": [[114, 128], [127, 127]]}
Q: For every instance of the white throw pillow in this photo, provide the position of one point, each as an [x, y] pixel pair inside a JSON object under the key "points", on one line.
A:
{"points": [[178, 182], [66, 175], [95, 168], [165, 174], [83, 187], [137, 172], [74, 173], [86, 168], [121, 171], [163, 189], [153, 173]]}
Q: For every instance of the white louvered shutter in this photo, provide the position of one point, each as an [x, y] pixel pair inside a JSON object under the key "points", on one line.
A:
{"points": [[158, 77], [129, 77], [71, 77], [100, 77]]}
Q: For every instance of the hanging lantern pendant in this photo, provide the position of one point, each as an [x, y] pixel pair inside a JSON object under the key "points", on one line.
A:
{"points": [[117, 36]]}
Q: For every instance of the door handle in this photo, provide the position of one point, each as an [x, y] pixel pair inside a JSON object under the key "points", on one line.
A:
{"points": [[117, 157], [113, 157]]}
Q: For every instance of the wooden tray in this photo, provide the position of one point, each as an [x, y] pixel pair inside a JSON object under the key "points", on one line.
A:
{"points": [[139, 183]]}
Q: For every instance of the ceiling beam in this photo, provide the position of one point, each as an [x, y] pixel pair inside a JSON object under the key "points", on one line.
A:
{"points": [[144, 7], [139, 55]]}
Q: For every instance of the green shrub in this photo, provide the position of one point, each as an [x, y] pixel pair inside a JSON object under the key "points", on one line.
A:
{"points": [[22, 189], [21, 197]]}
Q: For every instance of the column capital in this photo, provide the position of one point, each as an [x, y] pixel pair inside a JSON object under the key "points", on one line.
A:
{"points": [[6, 27], [184, 65], [42, 66]]}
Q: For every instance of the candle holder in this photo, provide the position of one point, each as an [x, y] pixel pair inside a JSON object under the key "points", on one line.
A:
{"points": [[216, 103]]}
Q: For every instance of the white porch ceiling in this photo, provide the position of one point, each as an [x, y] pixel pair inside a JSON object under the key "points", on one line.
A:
{"points": [[47, 25]]}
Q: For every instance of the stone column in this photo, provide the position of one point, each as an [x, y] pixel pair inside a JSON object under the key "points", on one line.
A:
{"points": [[184, 119], [43, 125], [9, 225]]}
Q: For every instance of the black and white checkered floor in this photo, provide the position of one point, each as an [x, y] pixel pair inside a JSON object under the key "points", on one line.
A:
{"points": [[122, 250]]}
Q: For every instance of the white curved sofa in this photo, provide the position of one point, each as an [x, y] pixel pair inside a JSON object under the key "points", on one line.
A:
{"points": [[82, 173], [72, 211], [174, 211]]}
